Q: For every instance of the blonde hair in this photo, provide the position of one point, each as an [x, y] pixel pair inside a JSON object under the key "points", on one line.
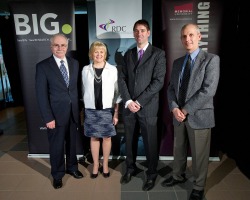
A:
{"points": [[95, 45]]}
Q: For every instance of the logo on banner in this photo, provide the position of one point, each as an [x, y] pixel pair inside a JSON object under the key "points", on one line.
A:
{"points": [[185, 9], [182, 12], [47, 24], [106, 26], [111, 18], [114, 29]]}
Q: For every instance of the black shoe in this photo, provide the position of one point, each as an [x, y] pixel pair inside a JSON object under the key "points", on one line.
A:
{"points": [[93, 175], [196, 195], [171, 181], [57, 183], [126, 178], [150, 183], [106, 175], [75, 174]]}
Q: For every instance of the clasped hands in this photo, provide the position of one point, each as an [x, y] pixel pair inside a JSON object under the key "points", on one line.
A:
{"points": [[179, 114], [51, 125], [134, 107]]}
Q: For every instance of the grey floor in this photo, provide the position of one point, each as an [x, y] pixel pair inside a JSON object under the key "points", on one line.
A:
{"points": [[25, 178]]}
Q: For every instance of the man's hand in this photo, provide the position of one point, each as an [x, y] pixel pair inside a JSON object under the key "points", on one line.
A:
{"points": [[134, 107], [51, 124], [178, 114]]}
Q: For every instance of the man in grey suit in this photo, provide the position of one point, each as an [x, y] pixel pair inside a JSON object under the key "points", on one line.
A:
{"points": [[140, 81], [194, 118], [59, 106]]}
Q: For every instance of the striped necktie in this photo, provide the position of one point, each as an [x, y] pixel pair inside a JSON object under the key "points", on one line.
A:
{"points": [[64, 73]]}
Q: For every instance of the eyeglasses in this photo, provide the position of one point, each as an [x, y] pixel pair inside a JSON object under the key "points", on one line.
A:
{"points": [[58, 45]]}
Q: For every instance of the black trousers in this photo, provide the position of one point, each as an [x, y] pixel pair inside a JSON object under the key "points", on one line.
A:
{"points": [[147, 127], [62, 140]]}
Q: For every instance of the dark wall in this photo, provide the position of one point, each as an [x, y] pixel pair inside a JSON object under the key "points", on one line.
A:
{"points": [[233, 92], [82, 39], [82, 44], [10, 58]]}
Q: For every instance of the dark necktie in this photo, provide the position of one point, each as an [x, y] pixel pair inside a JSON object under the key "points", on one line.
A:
{"points": [[64, 73], [141, 52], [184, 83]]}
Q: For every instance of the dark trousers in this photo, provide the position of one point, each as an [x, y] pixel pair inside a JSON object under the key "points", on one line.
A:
{"points": [[62, 140], [147, 126]]}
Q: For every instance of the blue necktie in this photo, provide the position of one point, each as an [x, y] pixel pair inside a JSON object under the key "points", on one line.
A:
{"points": [[64, 73]]}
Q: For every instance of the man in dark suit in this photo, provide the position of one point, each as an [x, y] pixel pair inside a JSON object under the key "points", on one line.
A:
{"points": [[140, 81], [193, 115], [59, 106]]}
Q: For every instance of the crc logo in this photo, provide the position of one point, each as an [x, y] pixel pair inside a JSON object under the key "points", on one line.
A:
{"points": [[113, 28], [23, 25]]}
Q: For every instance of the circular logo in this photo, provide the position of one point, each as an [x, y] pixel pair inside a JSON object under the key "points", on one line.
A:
{"points": [[66, 29]]}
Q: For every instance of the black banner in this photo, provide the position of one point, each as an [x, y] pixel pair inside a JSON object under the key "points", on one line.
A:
{"points": [[208, 16], [35, 23]]}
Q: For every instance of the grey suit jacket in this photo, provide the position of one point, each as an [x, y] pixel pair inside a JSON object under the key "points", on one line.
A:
{"points": [[201, 89], [143, 81], [55, 100]]}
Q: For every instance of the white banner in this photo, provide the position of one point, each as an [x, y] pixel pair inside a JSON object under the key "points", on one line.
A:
{"points": [[116, 18]]}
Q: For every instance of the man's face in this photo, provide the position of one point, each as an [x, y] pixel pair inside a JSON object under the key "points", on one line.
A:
{"points": [[59, 47], [190, 38], [141, 34]]}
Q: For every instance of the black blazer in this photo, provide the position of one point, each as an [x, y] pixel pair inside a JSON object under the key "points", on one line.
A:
{"points": [[55, 100], [143, 81]]}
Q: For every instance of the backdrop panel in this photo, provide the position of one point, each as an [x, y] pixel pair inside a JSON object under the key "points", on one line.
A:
{"points": [[176, 13], [35, 23]]}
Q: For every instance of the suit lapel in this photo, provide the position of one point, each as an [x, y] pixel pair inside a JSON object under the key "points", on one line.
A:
{"points": [[197, 66], [71, 68], [56, 69], [145, 56], [135, 56], [196, 70]]}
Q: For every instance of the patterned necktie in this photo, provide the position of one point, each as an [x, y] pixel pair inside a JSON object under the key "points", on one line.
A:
{"points": [[141, 52], [184, 83], [64, 73]]}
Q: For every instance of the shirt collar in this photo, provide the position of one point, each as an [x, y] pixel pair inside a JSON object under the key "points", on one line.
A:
{"points": [[58, 60], [144, 48], [194, 53]]}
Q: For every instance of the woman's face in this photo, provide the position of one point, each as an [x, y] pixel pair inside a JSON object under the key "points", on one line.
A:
{"points": [[99, 55]]}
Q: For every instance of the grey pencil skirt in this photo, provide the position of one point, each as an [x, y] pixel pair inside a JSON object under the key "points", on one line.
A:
{"points": [[99, 123]]}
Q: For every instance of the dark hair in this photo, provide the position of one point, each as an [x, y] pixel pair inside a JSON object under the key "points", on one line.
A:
{"points": [[142, 22]]}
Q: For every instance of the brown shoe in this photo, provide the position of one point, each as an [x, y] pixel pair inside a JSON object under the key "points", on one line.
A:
{"points": [[171, 181]]}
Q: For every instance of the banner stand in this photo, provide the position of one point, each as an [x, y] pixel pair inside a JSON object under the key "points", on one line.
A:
{"points": [[161, 158]]}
